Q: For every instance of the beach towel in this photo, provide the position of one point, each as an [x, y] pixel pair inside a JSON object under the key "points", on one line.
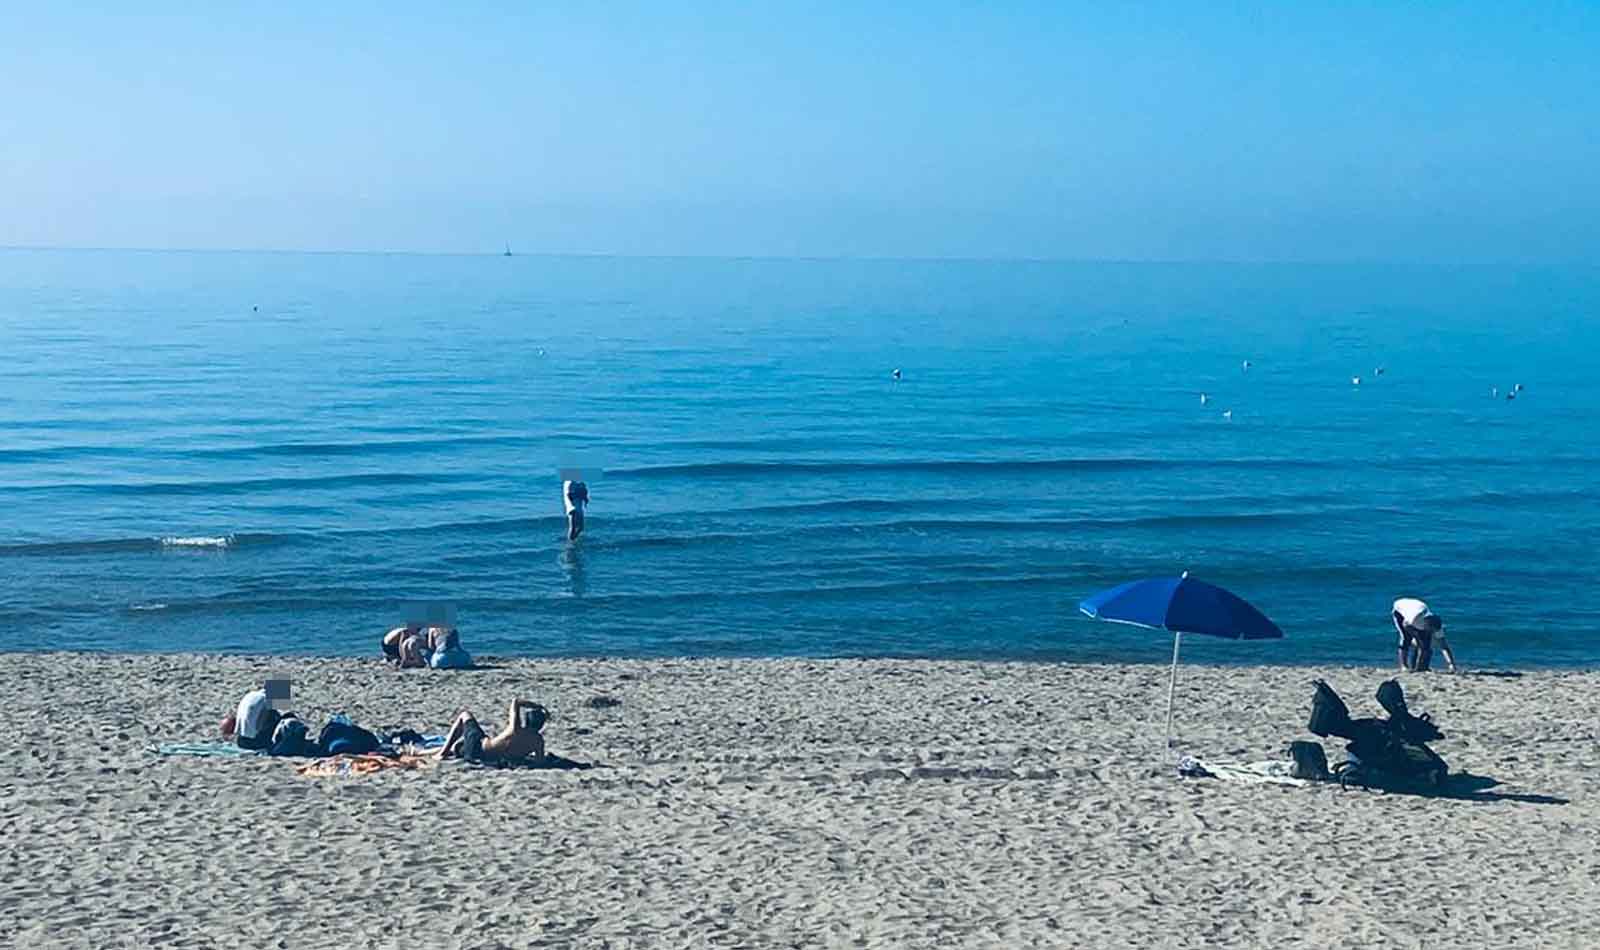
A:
{"points": [[338, 765], [225, 750], [1274, 772]]}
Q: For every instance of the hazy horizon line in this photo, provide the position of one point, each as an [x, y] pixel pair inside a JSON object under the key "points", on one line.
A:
{"points": [[819, 258]]}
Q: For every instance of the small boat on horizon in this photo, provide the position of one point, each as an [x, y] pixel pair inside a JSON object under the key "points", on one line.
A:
{"points": [[508, 251]]}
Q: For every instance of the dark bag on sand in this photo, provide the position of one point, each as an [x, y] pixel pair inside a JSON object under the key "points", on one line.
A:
{"points": [[1310, 762], [1393, 699], [1329, 715], [290, 739], [350, 739], [1384, 758], [1408, 727]]}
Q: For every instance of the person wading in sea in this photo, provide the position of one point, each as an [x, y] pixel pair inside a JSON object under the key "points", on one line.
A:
{"points": [[575, 495]]}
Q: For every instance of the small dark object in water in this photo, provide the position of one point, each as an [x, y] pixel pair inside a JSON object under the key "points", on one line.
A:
{"points": [[604, 702]]}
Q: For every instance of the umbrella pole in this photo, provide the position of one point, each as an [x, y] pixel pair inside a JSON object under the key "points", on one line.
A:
{"points": [[1172, 686]]}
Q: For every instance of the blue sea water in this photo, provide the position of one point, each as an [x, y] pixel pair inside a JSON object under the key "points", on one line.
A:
{"points": [[274, 452]]}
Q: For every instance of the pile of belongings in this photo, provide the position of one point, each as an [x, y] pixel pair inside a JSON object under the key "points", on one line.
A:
{"points": [[1383, 753]]}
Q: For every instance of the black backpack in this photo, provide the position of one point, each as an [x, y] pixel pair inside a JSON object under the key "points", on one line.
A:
{"points": [[1411, 728], [1393, 699], [1329, 715]]}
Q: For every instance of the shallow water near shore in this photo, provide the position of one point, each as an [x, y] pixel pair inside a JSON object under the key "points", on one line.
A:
{"points": [[273, 452]]}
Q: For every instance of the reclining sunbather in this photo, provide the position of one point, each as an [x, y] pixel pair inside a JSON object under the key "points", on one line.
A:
{"points": [[520, 742]]}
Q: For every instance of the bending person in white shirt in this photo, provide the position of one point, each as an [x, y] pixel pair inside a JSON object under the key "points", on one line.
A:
{"points": [[1420, 629]]}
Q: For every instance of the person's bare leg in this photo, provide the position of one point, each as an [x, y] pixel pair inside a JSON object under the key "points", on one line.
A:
{"points": [[453, 737]]}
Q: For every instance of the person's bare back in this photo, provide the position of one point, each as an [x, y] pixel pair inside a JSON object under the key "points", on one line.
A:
{"points": [[521, 739]]}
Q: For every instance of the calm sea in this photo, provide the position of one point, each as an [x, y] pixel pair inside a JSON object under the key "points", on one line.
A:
{"points": [[275, 452]]}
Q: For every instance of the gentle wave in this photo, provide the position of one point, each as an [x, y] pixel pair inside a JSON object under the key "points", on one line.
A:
{"points": [[930, 466], [298, 450], [246, 485], [1083, 464], [635, 532], [126, 545], [223, 541]]}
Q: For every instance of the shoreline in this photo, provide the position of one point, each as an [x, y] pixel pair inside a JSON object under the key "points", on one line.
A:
{"points": [[1469, 671], [788, 802]]}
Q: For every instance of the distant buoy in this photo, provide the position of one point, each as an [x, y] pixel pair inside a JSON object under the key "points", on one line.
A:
{"points": [[1518, 387], [1512, 394], [1227, 414], [895, 374], [1355, 380], [1246, 365], [1204, 399], [1378, 371]]}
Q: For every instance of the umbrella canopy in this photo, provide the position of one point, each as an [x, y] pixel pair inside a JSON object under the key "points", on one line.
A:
{"points": [[1182, 605]]}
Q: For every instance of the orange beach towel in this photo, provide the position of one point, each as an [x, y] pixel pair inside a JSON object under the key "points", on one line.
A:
{"points": [[363, 764]]}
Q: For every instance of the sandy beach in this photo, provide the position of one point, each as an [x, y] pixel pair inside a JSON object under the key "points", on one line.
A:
{"points": [[787, 803]]}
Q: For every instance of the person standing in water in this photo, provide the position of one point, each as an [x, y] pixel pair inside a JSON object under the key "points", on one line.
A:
{"points": [[575, 495]]}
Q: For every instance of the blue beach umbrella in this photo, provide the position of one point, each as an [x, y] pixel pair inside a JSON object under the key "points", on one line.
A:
{"points": [[1182, 605]]}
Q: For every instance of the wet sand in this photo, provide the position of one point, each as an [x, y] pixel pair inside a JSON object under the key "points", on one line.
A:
{"points": [[750, 803]]}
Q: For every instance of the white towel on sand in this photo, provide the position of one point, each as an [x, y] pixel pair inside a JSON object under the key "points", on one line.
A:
{"points": [[1274, 772]]}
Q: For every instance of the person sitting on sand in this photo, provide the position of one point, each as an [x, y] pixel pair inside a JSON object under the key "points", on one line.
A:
{"points": [[1419, 629], [520, 742], [392, 640], [252, 725], [445, 652], [414, 650]]}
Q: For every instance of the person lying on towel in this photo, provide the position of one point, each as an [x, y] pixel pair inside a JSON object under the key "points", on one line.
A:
{"points": [[519, 743]]}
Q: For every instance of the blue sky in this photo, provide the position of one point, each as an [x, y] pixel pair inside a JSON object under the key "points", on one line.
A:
{"points": [[1203, 131]]}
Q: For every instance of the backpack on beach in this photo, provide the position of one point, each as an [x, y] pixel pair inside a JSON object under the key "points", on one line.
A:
{"points": [[1329, 715], [1309, 761], [289, 738], [1411, 728]]}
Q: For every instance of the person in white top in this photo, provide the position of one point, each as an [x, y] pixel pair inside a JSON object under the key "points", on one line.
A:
{"points": [[1420, 629], [255, 721], [575, 495]]}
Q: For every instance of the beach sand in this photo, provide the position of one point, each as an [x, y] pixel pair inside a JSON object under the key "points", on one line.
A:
{"points": [[786, 803]]}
